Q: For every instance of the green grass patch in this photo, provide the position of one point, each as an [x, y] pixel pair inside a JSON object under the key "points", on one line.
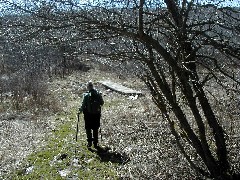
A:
{"points": [[63, 158]]}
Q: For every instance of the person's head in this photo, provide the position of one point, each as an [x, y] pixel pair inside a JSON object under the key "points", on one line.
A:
{"points": [[89, 85]]}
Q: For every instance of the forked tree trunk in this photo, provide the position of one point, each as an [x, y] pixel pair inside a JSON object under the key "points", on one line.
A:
{"points": [[157, 83], [217, 166], [217, 130]]}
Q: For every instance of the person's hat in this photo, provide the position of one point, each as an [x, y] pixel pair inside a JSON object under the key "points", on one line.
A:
{"points": [[89, 83]]}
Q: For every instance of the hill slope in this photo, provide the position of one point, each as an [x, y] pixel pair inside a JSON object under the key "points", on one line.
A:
{"points": [[138, 141]]}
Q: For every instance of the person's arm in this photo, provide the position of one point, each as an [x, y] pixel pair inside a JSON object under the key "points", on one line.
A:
{"points": [[84, 103], [101, 99]]}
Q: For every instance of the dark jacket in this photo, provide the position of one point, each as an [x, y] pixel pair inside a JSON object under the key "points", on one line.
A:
{"points": [[86, 103], [91, 119]]}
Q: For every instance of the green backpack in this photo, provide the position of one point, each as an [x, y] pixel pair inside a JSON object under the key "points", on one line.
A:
{"points": [[94, 102]]}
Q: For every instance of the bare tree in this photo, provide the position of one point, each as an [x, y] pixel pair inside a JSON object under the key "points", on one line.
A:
{"points": [[180, 47]]}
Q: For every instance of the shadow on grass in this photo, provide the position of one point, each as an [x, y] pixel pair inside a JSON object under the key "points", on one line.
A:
{"points": [[106, 155]]}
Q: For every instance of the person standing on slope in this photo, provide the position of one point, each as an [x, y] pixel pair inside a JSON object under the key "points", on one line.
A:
{"points": [[91, 108]]}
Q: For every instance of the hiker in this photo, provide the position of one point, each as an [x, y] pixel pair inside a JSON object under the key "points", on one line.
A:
{"points": [[91, 108]]}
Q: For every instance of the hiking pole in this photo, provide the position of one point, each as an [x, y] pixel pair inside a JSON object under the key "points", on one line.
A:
{"points": [[100, 131], [77, 131]]}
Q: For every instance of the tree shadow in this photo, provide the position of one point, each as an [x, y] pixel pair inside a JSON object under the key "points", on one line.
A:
{"points": [[107, 155]]}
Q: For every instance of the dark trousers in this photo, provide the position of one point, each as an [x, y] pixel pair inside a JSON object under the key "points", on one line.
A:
{"points": [[92, 124], [92, 135]]}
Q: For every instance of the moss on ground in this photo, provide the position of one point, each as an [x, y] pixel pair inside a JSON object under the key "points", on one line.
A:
{"points": [[63, 158]]}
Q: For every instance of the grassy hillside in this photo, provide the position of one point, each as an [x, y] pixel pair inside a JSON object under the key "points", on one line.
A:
{"points": [[136, 141], [60, 156]]}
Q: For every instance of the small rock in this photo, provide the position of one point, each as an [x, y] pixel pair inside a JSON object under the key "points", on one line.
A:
{"points": [[89, 160], [64, 172], [29, 169]]}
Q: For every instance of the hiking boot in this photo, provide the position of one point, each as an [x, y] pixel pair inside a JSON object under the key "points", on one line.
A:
{"points": [[95, 145], [89, 144]]}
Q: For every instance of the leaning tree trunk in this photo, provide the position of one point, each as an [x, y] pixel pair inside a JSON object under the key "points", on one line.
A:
{"points": [[217, 130], [194, 93], [217, 167]]}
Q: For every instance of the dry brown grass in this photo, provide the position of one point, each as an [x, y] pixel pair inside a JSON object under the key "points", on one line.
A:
{"points": [[134, 128]]}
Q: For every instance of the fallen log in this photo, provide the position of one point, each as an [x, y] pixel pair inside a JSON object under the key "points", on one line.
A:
{"points": [[119, 88]]}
